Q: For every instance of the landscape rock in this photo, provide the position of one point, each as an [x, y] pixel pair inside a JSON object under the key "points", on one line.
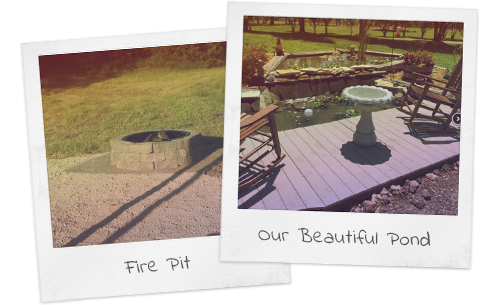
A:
{"points": [[395, 189], [405, 190], [418, 204], [384, 83], [414, 183], [369, 206], [412, 189], [265, 98], [426, 195], [384, 191], [431, 176], [245, 107], [447, 167], [437, 172]]}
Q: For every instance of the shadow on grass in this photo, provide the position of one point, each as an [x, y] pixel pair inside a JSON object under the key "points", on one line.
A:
{"points": [[331, 37], [121, 231]]}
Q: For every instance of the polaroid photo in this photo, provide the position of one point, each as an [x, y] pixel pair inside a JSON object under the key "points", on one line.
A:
{"points": [[126, 139], [352, 148]]}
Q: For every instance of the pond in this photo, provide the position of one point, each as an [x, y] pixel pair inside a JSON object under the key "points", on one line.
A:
{"points": [[292, 118], [342, 60]]}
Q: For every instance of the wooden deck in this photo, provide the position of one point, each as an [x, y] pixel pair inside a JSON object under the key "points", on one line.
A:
{"points": [[325, 170]]}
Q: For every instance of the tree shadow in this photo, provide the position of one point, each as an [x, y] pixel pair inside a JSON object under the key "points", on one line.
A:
{"points": [[393, 44], [121, 231]]}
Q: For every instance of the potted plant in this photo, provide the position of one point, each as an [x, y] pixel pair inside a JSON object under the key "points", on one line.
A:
{"points": [[421, 62]]}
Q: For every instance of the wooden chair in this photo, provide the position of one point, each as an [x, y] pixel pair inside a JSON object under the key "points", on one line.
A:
{"points": [[432, 101], [250, 125]]}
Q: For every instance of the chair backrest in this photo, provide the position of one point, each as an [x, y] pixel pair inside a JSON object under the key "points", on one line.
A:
{"points": [[455, 81]]}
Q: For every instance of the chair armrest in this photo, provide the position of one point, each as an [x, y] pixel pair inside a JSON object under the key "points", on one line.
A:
{"points": [[428, 77], [259, 115], [427, 85]]}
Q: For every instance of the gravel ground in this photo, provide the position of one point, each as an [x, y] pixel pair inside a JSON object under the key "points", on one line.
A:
{"points": [[436, 193], [91, 209]]}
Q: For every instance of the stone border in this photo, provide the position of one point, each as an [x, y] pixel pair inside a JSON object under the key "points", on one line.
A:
{"points": [[155, 155]]}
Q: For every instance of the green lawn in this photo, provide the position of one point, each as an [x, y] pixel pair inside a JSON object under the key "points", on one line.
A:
{"points": [[339, 37], [83, 113]]}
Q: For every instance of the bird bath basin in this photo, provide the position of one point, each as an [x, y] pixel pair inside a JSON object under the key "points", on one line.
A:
{"points": [[367, 97]]}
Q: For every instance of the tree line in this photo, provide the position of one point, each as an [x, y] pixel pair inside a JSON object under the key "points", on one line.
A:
{"points": [[441, 29]]}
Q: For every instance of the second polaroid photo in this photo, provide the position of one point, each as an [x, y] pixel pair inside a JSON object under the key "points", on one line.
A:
{"points": [[352, 148]]}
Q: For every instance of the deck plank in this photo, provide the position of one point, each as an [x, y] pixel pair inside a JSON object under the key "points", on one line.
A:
{"points": [[250, 197], [334, 144], [316, 141], [268, 193], [393, 130], [368, 161], [299, 182], [397, 161], [389, 166], [282, 184], [330, 177], [413, 161], [316, 183], [446, 142], [323, 165]]}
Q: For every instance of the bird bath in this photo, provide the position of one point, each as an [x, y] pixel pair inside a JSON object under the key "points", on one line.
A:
{"points": [[367, 97]]}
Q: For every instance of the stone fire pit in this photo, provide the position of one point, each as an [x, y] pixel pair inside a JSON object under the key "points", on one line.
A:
{"points": [[146, 150]]}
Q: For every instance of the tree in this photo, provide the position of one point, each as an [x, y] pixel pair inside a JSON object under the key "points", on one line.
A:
{"points": [[440, 30], [292, 22], [384, 25], [456, 27], [272, 20], [364, 26], [246, 23], [424, 26], [351, 23], [326, 22], [315, 22], [302, 25], [404, 25]]}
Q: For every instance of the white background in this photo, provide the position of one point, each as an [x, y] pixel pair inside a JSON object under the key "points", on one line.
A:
{"points": [[32, 21]]}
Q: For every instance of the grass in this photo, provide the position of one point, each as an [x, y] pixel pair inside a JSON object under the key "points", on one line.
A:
{"points": [[83, 112], [339, 37]]}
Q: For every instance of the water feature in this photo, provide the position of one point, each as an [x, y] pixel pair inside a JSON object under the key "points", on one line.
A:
{"points": [[341, 60], [293, 118]]}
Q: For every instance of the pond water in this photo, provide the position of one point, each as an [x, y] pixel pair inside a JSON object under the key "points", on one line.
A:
{"points": [[342, 60], [291, 118]]}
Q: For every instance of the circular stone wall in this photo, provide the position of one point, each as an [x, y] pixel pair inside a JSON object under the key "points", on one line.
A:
{"points": [[129, 152]]}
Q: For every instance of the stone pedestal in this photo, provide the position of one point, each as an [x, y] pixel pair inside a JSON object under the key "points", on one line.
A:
{"points": [[365, 130]]}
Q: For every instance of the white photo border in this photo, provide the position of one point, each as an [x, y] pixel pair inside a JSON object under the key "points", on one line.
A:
{"points": [[99, 271], [450, 236]]}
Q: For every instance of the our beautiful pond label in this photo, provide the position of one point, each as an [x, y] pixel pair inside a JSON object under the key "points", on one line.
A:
{"points": [[172, 264], [361, 237]]}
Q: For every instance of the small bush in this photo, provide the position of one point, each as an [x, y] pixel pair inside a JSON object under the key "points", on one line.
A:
{"points": [[251, 56]]}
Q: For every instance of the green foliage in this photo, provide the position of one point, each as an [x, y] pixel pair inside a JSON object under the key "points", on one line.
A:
{"points": [[319, 102], [251, 56], [339, 99], [297, 67], [350, 113], [81, 119], [331, 65]]}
